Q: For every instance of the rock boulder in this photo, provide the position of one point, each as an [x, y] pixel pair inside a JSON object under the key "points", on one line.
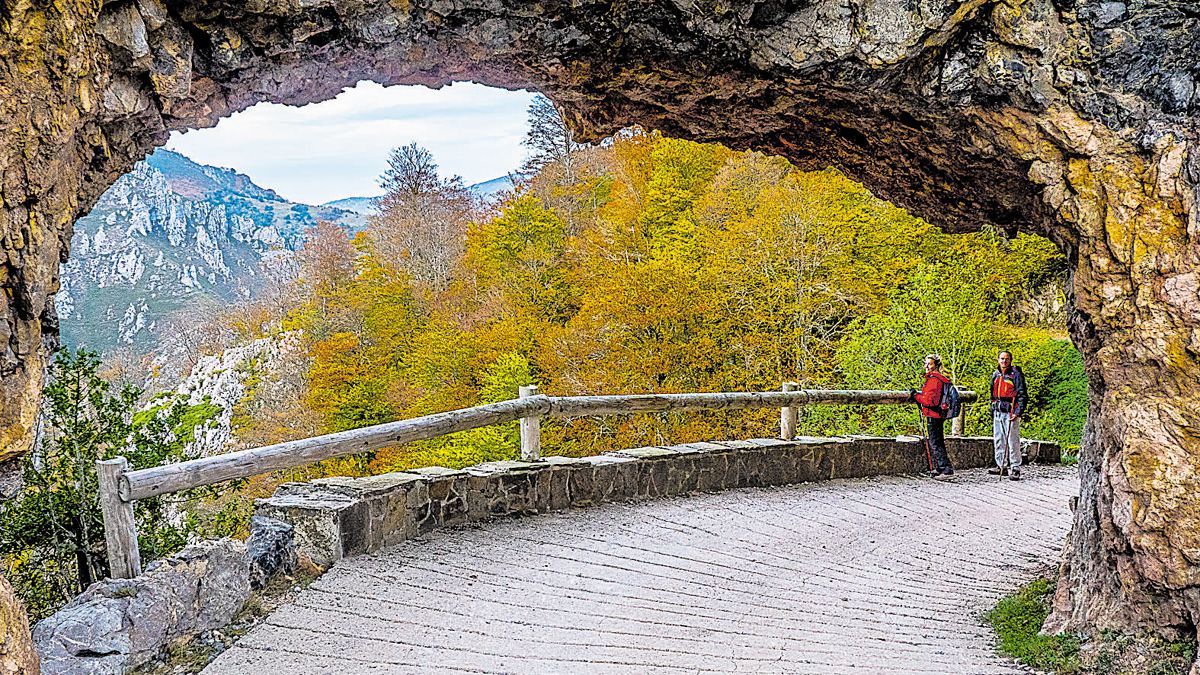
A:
{"points": [[272, 549], [118, 624], [17, 655]]}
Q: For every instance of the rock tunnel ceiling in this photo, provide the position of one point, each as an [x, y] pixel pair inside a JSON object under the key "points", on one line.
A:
{"points": [[1076, 120]]}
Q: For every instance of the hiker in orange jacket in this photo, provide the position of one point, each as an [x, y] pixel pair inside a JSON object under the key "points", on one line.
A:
{"points": [[932, 409], [1009, 399]]}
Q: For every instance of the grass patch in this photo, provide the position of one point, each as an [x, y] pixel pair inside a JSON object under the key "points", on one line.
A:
{"points": [[1142, 654], [1017, 620]]}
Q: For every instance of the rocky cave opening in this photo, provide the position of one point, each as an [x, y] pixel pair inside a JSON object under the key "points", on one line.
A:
{"points": [[1073, 120]]}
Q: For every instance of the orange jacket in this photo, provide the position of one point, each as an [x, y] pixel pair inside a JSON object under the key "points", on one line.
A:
{"points": [[930, 396]]}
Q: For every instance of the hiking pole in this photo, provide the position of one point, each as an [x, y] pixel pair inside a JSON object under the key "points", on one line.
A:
{"points": [[924, 439]]}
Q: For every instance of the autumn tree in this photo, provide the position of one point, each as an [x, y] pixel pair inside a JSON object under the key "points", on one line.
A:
{"points": [[327, 259], [194, 330], [550, 139], [276, 293], [665, 266], [422, 217], [326, 268]]}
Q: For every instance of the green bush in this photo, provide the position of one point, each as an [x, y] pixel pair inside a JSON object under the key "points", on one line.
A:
{"points": [[52, 533], [1058, 391]]}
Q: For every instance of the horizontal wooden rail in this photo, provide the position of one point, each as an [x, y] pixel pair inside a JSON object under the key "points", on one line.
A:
{"points": [[583, 406], [143, 483], [193, 473]]}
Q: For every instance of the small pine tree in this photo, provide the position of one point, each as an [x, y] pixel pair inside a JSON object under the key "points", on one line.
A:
{"points": [[52, 533]]}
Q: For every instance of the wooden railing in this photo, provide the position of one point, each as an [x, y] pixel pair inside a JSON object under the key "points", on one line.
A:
{"points": [[120, 487]]}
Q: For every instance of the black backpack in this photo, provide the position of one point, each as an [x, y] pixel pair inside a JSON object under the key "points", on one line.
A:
{"points": [[951, 402]]}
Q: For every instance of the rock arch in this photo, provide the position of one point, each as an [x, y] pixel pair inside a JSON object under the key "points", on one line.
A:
{"points": [[1071, 118]]}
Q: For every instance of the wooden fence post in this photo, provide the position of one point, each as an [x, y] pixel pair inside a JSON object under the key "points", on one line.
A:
{"points": [[120, 530], [531, 430], [788, 415], [956, 425]]}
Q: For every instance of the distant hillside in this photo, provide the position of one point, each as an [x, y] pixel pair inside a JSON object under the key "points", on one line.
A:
{"points": [[367, 206], [363, 205], [172, 234], [491, 188]]}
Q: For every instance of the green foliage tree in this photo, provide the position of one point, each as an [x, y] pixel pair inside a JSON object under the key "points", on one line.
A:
{"points": [[519, 254], [956, 305], [52, 533], [500, 381], [1058, 388], [939, 311]]}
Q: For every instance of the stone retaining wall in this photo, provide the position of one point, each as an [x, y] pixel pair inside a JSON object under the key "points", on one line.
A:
{"points": [[339, 517]]}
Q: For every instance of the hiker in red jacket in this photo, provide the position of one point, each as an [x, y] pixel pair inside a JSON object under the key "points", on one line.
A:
{"points": [[932, 408]]}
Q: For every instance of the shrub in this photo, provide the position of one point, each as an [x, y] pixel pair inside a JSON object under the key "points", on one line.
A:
{"points": [[52, 533]]}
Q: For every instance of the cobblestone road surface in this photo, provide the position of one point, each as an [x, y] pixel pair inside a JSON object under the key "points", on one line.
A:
{"points": [[885, 575]]}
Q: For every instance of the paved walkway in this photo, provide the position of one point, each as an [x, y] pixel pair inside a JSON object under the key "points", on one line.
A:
{"points": [[885, 575]]}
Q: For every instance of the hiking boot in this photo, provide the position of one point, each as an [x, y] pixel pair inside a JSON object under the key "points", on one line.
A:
{"points": [[944, 476], [1016, 475], [934, 474], [998, 470]]}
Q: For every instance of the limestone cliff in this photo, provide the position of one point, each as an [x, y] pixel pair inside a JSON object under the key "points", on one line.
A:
{"points": [[1073, 118], [171, 236]]}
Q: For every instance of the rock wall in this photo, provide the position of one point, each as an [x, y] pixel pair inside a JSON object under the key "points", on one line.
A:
{"points": [[339, 517], [1072, 118], [17, 654]]}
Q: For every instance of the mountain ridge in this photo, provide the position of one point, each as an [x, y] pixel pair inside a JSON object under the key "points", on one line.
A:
{"points": [[488, 189], [174, 235], [170, 234]]}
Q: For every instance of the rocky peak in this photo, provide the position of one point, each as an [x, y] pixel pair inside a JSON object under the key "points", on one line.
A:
{"points": [[167, 235]]}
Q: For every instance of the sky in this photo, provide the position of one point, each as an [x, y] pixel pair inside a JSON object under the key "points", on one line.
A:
{"points": [[338, 148]]}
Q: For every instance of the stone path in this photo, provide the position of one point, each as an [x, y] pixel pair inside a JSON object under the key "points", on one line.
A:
{"points": [[885, 575]]}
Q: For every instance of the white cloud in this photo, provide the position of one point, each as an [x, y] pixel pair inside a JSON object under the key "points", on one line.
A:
{"points": [[338, 148]]}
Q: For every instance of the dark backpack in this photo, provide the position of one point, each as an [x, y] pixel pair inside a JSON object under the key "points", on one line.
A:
{"points": [[951, 403]]}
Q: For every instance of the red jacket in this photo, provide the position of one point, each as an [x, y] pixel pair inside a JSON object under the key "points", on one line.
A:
{"points": [[930, 396]]}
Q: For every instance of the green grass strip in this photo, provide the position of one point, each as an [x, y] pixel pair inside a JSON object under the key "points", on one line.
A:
{"points": [[1017, 620]]}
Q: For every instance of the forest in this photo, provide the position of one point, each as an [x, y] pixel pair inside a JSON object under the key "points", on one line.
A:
{"points": [[642, 264]]}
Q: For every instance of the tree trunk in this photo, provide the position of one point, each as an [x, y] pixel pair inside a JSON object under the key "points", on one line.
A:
{"points": [[83, 555]]}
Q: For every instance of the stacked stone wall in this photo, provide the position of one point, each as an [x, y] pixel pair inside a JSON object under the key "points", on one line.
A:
{"points": [[340, 517]]}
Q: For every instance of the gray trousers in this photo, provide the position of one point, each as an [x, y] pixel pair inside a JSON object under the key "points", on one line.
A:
{"points": [[1006, 435]]}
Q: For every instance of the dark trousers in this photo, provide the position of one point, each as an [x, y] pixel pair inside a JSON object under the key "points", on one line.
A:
{"points": [[937, 444]]}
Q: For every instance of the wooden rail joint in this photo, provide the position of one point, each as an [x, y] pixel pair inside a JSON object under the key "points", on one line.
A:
{"points": [[789, 415], [531, 427]]}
